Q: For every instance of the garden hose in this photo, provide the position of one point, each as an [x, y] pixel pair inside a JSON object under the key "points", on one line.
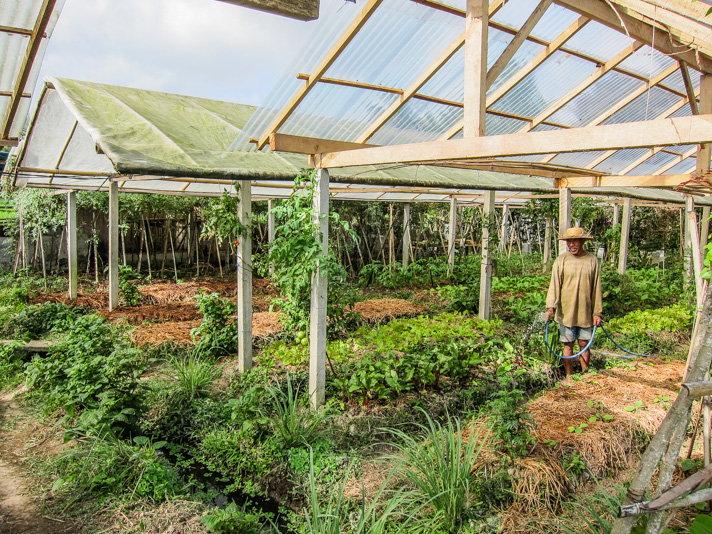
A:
{"points": [[590, 342]]}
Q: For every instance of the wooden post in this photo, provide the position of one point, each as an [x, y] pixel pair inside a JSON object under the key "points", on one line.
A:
{"points": [[320, 281], [505, 227], [564, 215], [244, 279], [452, 234], [72, 261], [687, 233], [113, 245], [546, 255], [475, 82], [270, 231], [405, 260], [616, 214], [391, 238], [625, 235], [486, 268], [705, 228], [696, 253]]}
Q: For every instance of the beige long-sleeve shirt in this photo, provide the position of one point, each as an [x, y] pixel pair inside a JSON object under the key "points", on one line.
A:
{"points": [[575, 290]]}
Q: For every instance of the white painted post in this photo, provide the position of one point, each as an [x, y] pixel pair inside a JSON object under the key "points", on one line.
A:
{"points": [[564, 215], [695, 251], [452, 233], [616, 214], [486, 267], [625, 235], [405, 260], [687, 254], [705, 228], [320, 281], [546, 255], [244, 279], [72, 261], [505, 227], [113, 245], [270, 231]]}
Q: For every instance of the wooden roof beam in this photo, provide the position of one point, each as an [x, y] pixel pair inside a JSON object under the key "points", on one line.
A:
{"points": [[43, 18], [320, 69], [293, 9], [661, 132], [680, 158], [640, 27], [666, 181], [689, 88]]}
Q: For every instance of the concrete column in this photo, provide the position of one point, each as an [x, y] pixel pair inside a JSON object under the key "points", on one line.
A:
{"points": [[72, 262], [405, 259], [270, 231], [486, 268], [546, 254], [625, 235], [695, 251], [113, 245], [244, 279], [687, 243], [451, 236], [505, 227], [705, 228], [320, 282], [564, 215], [616, 214]]}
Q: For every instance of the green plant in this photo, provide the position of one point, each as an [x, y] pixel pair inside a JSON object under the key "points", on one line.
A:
{"points": [[235, 519], [34, 321], [637, 406], [439, 465], [195, 376], [130, 295], [573, 463], [11, 366], [509, 421], [217, 331]]}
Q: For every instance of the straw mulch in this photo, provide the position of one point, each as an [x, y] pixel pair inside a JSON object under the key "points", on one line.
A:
{"points": [[264, 324], [382, 310], [171, 517], [172, 311], [162, 292], [95, 301]]}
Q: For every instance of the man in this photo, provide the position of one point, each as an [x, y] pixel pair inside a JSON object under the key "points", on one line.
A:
{"points": [[575, 296]]}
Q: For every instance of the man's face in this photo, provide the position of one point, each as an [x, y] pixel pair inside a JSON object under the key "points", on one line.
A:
{"points": [[575, 246]]}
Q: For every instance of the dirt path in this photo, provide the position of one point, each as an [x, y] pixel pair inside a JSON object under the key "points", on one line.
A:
{"points": [[20, 511]]}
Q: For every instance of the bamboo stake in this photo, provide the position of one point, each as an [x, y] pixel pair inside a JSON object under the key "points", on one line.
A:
{"points": [[165, 250], [59, 249], [41, 246], [173, 252], [140, 245], [123, 246], [17, 259], [197, 253], [217, 251], [145, 242]]}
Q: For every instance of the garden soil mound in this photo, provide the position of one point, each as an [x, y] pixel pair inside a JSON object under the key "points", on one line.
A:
{"points": [[382, 310], [172, 311]]}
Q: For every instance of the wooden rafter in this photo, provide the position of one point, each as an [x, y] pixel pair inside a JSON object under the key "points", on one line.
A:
{"points": [[33, 47], [321, 68], [666, 181], [689, 88], [679, 159]]}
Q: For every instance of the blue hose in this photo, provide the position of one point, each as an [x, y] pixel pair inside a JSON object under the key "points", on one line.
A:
{"points": [[590, 342]]}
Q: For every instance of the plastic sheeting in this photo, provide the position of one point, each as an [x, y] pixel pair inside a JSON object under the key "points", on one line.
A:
{"points": [[17, 20]]}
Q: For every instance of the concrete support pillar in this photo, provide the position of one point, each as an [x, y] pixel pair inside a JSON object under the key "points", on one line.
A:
{"points": [[687, 242], [696, 252], [452, 233], [244, 279], [616, 214], [564, 214], [270, 231], [505, 227], [72, 261], [625, 235], [113, 245], [320, 282], [405, 259], [704, 228], [486, 268], [546, 254]]}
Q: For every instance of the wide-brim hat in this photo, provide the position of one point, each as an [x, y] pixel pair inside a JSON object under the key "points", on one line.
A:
{"points": [[575, 232]]}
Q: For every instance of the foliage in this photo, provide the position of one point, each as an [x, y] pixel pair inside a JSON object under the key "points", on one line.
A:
{"points": [[518, 284], [638, 289], [11, 366], [195, 377], [103, 465], [669, 319], [440, 465], [220, 217], [217, 330], [509, 421], [130, 295], [523, 309], [34, 321], [461, 298], [235, 519], [93, 374], [298, 236]]}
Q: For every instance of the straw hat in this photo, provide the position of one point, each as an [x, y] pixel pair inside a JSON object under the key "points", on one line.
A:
{"points": [[575, 232]]}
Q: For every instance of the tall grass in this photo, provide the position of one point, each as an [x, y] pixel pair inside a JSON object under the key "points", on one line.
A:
{"points": [[195, 376], [440, 465]]}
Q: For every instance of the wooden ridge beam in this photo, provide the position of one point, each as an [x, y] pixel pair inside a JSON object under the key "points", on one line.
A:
{"points": [[293, 9], [661, 132], [641, 28], [666, 181], [320, 69], [309, 145], [33, 47]]}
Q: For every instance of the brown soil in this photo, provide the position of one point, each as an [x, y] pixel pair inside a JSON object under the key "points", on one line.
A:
{"points": [[21, 437]]}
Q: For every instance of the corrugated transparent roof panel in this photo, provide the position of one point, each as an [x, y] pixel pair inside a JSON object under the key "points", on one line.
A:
{"points": [[545, 86], [652, 164], [595, 100], [684, 111], [647, 106], [545, 128], [598, 41], [514, 13], [337, 112], [681, 149], [555, 20], [675, 81], [529, 157], [496, 125], [683, 167], [523, 56], [620, 160], [417, 121], [396, 44], [576, 159], [447, 82], [647, 62]]}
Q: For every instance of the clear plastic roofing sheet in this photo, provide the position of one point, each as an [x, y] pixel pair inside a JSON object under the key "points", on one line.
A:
{"points": [[25, 29], [396, 76]]}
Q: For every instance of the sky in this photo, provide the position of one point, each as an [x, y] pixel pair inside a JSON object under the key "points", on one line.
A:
{"points": [[200, 48]]}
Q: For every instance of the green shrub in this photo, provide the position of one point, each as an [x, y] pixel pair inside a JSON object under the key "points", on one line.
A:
{"points": [[235, 519], [195, 377], [509, 422], [130, 295], [11, 366], [34, 321], [217, 331]]}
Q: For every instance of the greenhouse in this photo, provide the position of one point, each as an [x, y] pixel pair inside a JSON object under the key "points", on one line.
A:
{"points": [[392, 213]]}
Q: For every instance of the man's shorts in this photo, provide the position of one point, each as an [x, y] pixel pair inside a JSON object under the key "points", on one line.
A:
{"points": [[569, 335]]}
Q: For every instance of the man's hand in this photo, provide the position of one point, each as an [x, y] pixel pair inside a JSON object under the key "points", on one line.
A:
{"points": [[549, 313], [597, 321]]}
